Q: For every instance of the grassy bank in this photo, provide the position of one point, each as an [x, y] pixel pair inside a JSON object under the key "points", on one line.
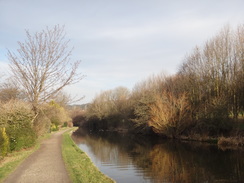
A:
{"points": [[9, 163], [79, 165]]}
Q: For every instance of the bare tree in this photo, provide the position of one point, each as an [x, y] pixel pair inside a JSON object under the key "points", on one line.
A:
{"points": [[9, 91], [169, 115], [42, 65], [214, 72]]}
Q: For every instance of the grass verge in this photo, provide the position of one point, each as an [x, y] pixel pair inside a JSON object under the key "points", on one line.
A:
{"points": [[80, 167], [9, 163]]}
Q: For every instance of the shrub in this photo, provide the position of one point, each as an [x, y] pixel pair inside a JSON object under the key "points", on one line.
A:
{"points": [[4, 142], [65, 124], [21, 138], [214, 117], [56, 114], [54, 127], [170, 114], [41, 124], [17, 118], [50, 116]]}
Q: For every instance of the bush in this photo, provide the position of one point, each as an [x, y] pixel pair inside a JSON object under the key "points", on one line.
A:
{"points": [[17, 118], [50, 116], [21, 138], [54, 127], [41, 124], [4, 142], [214, 119], [65, 124], [170, 114]]}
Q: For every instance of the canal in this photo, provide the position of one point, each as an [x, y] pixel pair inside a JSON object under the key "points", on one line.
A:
{"points": [[138, 159]]}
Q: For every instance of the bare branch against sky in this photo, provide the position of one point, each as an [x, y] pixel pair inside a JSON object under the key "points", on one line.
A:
{"points": [[119, 42], [42, 65]]}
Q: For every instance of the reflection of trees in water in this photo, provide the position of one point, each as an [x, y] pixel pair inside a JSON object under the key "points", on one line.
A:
{"points": [[172, 164], [105, 150], [168, 161], [177, 162]]}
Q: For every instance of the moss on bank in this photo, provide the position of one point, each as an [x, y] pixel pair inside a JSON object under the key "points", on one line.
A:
{"points": [[79, 165]]}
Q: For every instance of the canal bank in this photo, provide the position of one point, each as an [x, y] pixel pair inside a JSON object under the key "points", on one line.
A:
{"points": [[79, 166]]}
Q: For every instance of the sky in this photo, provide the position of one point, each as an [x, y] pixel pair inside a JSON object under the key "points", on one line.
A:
{"points": [[119, 42]]}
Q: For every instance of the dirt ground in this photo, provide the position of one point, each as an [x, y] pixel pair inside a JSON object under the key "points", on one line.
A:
{"points": [[44, 165]]}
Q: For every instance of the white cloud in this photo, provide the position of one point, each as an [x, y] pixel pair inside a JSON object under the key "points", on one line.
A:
{"points": [[120, 42]]}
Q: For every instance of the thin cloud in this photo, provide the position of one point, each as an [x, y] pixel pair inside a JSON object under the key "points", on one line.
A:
{"points": [[119, 42]]}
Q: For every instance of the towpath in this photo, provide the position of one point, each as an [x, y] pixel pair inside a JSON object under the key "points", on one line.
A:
{"points": [[46, 165]]}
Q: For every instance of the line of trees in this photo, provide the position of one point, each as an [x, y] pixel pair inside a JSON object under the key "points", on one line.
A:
{"points": [[205, 96]]}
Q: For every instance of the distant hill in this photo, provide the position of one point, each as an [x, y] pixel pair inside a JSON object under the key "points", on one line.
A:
{"points": [[76, 106]]}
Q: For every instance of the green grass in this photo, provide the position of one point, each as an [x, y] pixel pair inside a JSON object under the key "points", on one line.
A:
{"points": [[11, 161], [80, 167]]}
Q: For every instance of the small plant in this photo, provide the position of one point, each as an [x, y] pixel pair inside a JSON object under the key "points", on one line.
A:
{"points": [[4, 142], [54, 128], [65, 124]]}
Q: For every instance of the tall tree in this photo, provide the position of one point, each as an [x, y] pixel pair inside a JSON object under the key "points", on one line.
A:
{"points": [[213, 74], [42, 65]]}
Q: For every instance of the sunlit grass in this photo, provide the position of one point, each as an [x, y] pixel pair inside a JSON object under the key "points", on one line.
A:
{"points": [[9, 163], [79, 165]]}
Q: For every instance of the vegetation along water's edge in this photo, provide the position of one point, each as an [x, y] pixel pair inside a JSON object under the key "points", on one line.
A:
{"points": [[203, 101], [78, 164]]}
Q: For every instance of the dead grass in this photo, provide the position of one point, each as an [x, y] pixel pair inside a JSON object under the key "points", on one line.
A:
{"points": [[200, 138], [231, 141]]}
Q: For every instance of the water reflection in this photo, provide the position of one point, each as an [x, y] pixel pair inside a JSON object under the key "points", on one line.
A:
{"points": [[139, 159]]}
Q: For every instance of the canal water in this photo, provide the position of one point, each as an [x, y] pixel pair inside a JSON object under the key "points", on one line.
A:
{"points": [[140, 159]]}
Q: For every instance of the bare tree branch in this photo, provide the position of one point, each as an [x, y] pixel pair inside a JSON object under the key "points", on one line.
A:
{"points": [[42, 65]]}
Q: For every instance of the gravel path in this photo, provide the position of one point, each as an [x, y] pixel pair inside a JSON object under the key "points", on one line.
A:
{"points": [[44, 165]]}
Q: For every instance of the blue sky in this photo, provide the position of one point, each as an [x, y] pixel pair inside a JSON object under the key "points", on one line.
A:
{"points": [[120, 42]]}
